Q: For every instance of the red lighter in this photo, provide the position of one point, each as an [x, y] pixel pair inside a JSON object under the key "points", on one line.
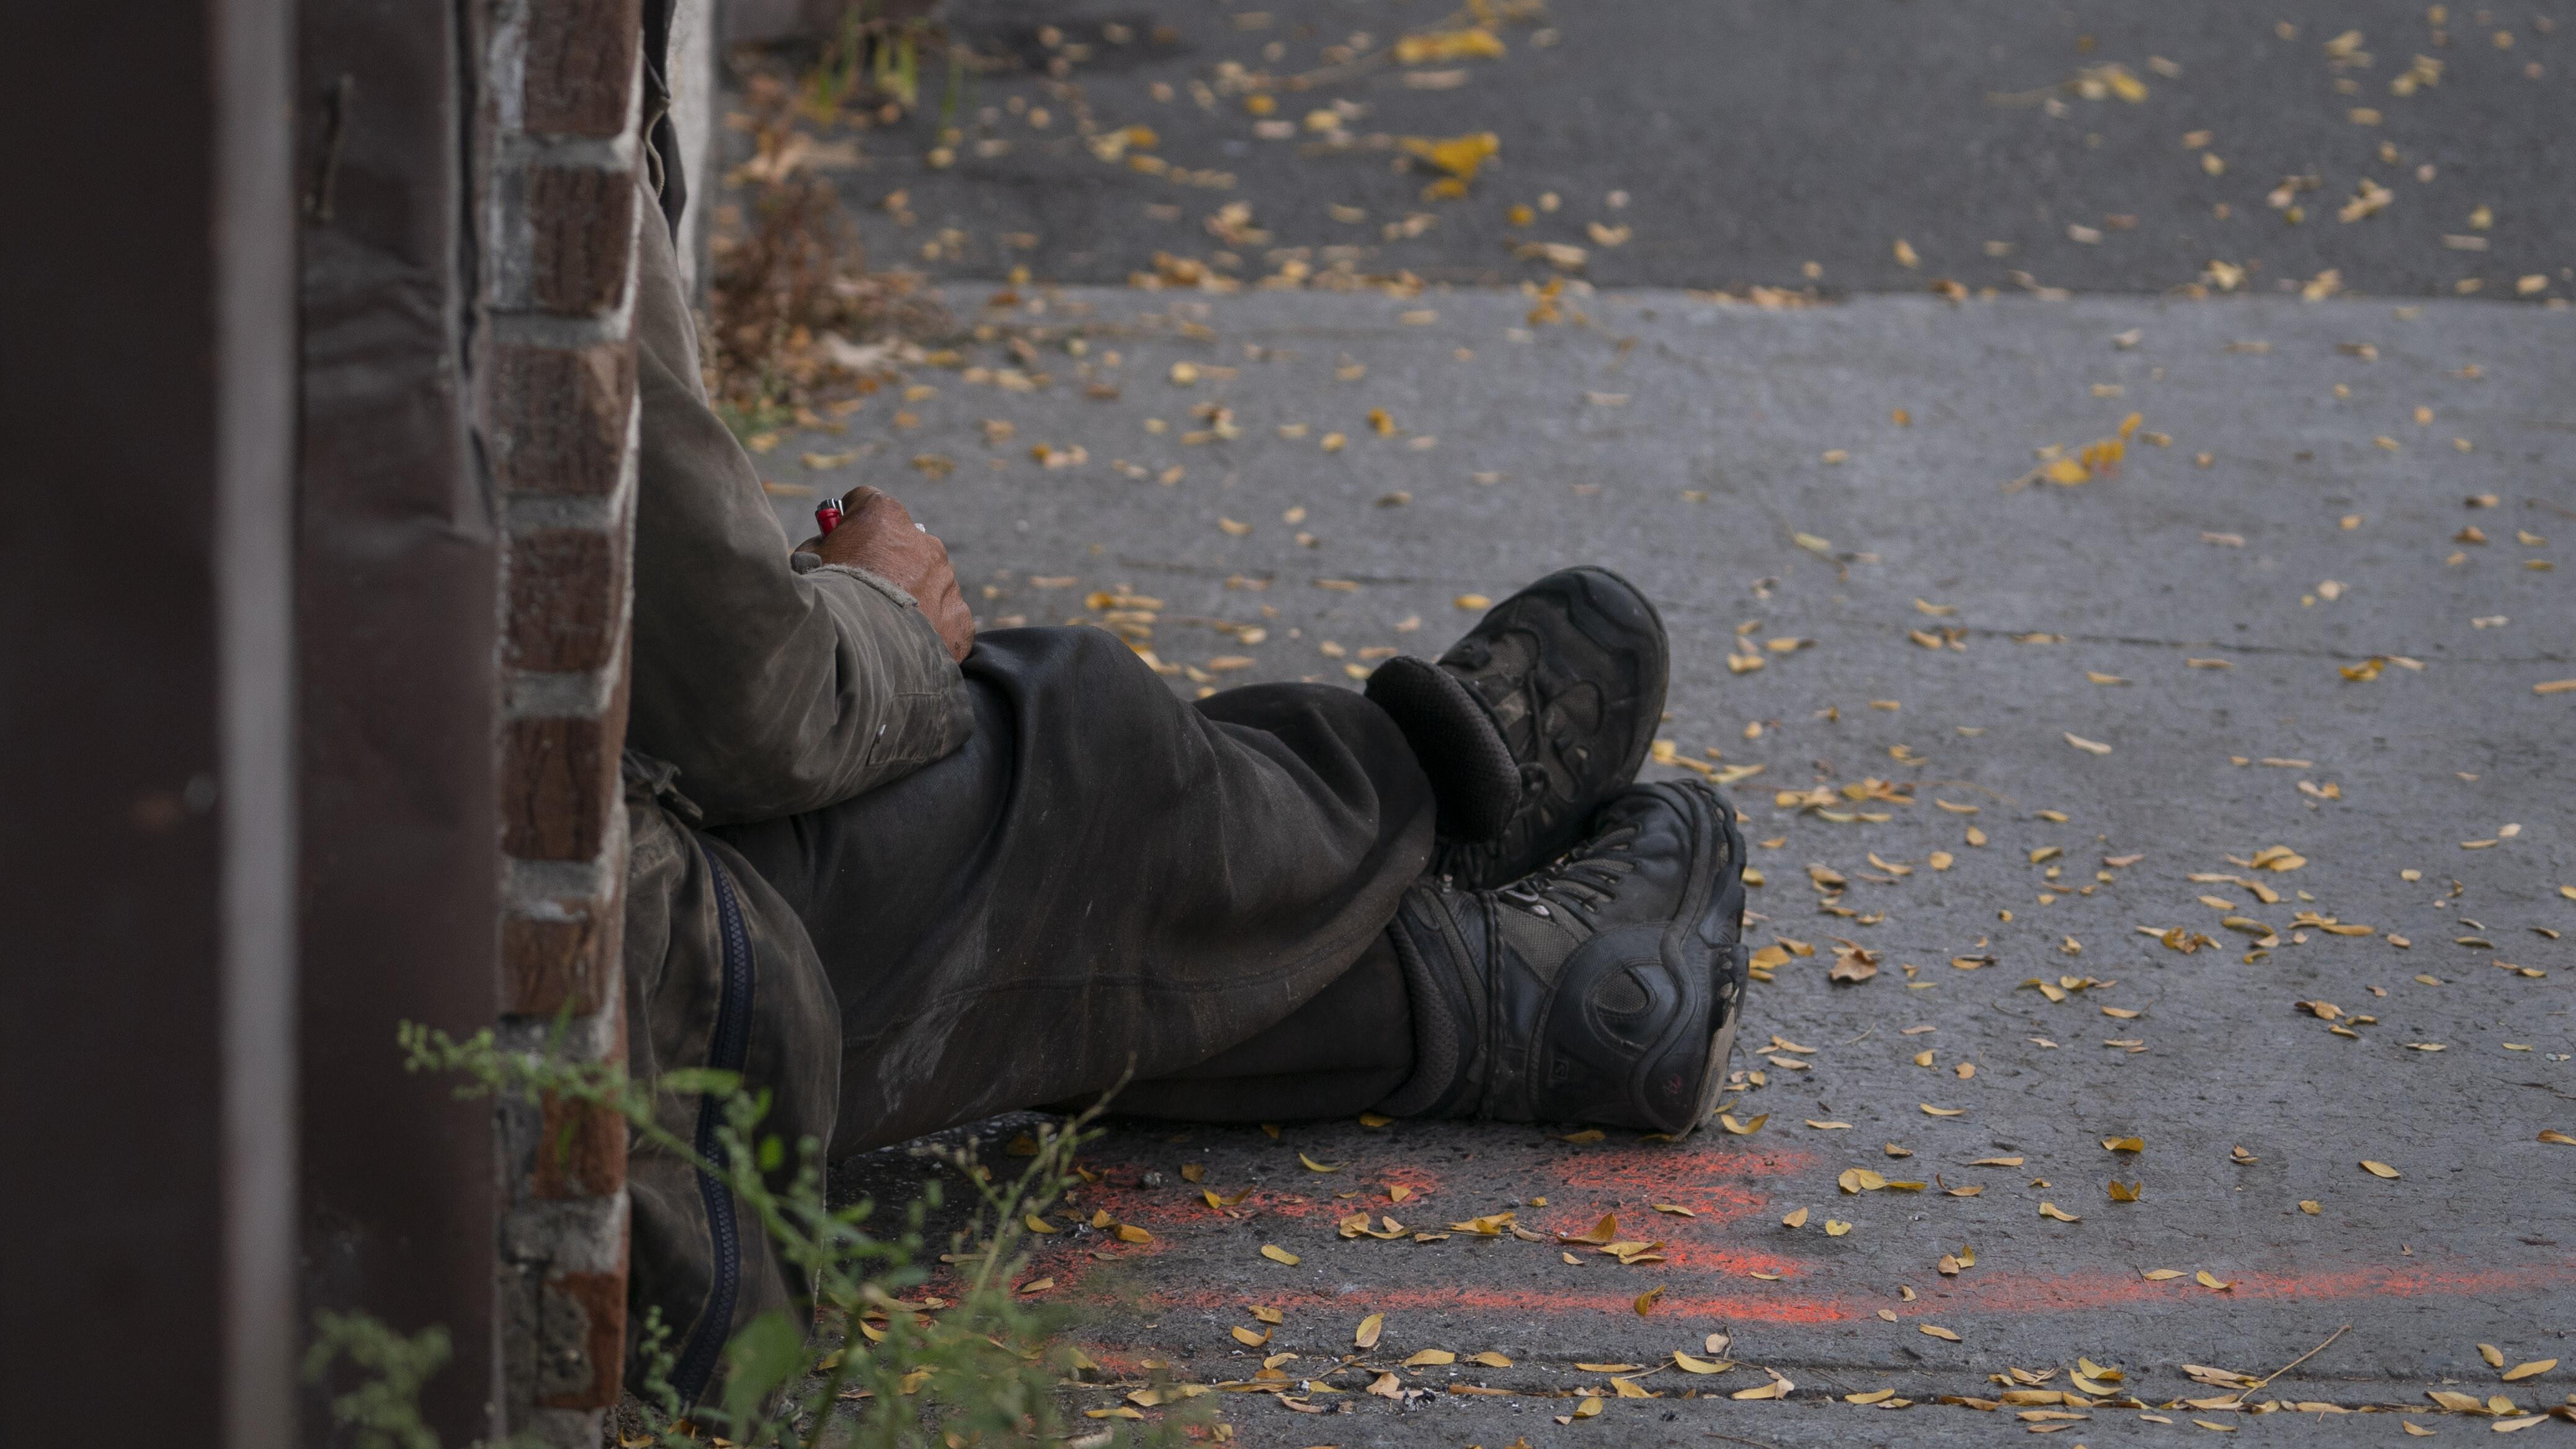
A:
{"points": [[827, 515]]}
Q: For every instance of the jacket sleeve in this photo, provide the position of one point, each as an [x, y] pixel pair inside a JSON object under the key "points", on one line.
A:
{"points": [[775, 689]]}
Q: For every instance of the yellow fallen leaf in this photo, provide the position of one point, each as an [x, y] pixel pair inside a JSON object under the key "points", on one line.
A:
{"points": [[2052, 1210], [1248, 1338], [1796, 1219], [1460, 156], [1431, 1358], [2377, 1169], [1369, 1329], [2531, 1370], [2552, 1134], [1313, 1166], [1398, 1192], [1676, 1209], [1278, 1254], [1646, 1301], [1931, 1111], [2090, 747], [1490, 1359], [2158, 1275], [1589, 1408], [2208, 1280], [1835, 1229], [2124, 1144], [1374, 1119], [1440, 45], [1130, 1233], [1934, 1330], [1742, 1129], [1474, 601], [1268, 1314], [2125, 1192], [1690, 1365], [1604, 1231], [1036, 1224]]}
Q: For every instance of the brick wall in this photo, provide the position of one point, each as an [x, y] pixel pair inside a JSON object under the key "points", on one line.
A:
{"points": [[556, 418]]}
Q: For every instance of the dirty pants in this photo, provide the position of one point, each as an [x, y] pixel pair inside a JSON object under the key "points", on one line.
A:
{"points": [[1106, 882]]}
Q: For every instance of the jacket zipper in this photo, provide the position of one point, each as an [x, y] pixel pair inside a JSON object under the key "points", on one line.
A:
{"points": [[730, 1044]]}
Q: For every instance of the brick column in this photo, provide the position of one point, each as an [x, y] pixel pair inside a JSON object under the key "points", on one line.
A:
{"points": [[557, 420]]}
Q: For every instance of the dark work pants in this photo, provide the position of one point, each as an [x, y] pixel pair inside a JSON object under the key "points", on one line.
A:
{"points": [[1106, 881]]}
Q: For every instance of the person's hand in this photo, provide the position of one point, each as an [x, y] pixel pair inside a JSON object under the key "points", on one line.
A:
{"points": [[876, 534]]}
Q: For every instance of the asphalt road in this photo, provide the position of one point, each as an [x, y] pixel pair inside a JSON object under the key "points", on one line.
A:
{"points": [[2313, 607], [1749, 141]]}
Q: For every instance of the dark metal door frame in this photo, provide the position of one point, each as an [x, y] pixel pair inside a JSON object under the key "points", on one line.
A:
{"points": [[146, 717]]}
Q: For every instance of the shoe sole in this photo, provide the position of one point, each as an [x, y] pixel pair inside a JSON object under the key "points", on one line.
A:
{"points": [[1721, 1056], [1627, 599], [1721, 1042], [1479, 790], [1619, 615]]}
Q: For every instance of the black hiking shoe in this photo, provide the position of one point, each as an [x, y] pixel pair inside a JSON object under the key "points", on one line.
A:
{"points": [[1529, 722], [1605, 988]]}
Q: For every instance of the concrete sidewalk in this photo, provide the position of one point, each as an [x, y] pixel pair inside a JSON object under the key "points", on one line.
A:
{"points": [[2009, 733], [2271, 685]]}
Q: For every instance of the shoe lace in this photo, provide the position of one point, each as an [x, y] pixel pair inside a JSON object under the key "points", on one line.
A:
{"points": [[1582, 880]]}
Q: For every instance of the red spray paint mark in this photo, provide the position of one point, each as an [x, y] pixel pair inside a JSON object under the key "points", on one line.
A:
{"points": [[2006, 1294], [1712, 1181]]}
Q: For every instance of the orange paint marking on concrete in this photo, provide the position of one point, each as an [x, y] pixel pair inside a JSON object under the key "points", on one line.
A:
{"points": [[1997, 1294], [1649, 1170], [1712, 1206], [1625, 1180], [2054, 1293]]}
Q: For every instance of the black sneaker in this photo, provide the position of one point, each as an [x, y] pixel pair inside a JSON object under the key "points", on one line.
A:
{"points": [[1605, 988], [1529, 722]]}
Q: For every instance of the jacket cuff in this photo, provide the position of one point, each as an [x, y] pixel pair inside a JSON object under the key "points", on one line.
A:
{"points": [[928, 714]]}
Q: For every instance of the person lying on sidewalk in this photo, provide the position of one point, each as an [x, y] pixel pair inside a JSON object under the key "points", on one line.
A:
{"points": [[902, 875]]}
